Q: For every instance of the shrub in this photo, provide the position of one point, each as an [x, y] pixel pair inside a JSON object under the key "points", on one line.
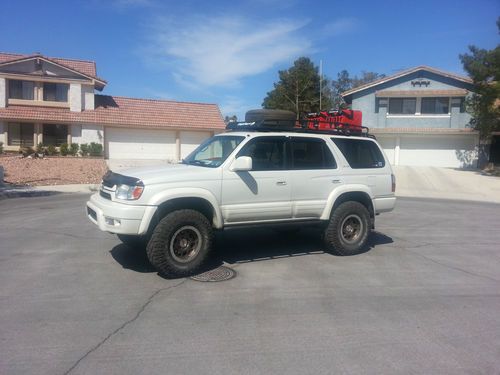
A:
{"points": [[95, 149], [63, 149], [1, 147], [84, 149], [40, 149], [73, 149], [51, 150]]}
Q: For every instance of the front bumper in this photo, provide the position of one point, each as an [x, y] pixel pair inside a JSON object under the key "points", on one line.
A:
{"points": [[115, 217]]}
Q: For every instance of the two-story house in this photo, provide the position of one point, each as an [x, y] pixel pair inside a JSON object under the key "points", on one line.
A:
{"points": [[53, 101], [419, 117]]}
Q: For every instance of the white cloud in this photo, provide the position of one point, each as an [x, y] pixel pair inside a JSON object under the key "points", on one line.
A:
{"points": [[232, 105], [220, 51]]}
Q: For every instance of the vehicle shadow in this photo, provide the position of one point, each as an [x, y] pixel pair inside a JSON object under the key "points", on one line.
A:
{"points": [[247, 245]]}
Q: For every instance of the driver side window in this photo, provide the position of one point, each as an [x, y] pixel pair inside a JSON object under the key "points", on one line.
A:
{"points": [[267, 153]]}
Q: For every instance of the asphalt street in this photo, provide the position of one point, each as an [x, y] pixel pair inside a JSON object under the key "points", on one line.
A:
{"points": [[424, 298]]}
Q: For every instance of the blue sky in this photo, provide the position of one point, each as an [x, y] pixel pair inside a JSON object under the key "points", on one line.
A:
{"points": [[229, 52]]}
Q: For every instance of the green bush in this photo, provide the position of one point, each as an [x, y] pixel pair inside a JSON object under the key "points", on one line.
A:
{"points": [[84, 149], [64, 149], [1, 147], [95, 149], [40, 149], [73, 149], [51, 150]]}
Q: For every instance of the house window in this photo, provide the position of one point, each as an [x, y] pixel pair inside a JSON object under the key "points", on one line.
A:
{"points": [[21, 89], [402, 106], [20, 134], [55, 135], [438, 106], [55, 92]]}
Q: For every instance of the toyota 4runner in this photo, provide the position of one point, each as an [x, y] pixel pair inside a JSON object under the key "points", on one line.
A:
{"points": [[257, 173]]}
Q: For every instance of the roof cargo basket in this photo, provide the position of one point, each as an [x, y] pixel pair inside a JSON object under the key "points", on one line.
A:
{"points": [[265, 119]]}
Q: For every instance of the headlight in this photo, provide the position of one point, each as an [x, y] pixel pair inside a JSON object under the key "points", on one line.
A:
{"points": [[128, 192]]}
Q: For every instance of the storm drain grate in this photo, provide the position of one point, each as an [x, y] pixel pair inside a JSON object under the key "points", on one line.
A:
{"points": [[221, 273]]}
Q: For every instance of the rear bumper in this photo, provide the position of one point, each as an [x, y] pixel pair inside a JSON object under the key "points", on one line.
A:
{"points": [[385, 204], [115, 217]]}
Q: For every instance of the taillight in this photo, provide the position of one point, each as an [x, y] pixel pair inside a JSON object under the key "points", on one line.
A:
{"points": [[393, 178]]}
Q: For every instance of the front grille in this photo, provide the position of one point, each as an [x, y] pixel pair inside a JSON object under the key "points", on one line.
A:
{"points": [[104, 194]]}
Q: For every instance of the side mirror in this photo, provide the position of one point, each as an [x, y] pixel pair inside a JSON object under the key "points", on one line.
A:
{"points": [[243, 163]]}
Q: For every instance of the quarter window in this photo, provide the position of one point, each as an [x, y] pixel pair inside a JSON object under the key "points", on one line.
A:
{"points": [[402, 106], [21, 89], [435, 105], [267, 153], [360, 153], [310, 153]]}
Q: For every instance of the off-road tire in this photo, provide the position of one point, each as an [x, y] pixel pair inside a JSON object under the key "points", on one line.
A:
{"points": [[348, 229], [196, 232], [131, 241]]}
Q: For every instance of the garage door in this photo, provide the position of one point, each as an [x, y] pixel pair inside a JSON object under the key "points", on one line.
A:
{"points": [[190, 140], [140, 144], [388, 144], [453, 151]]}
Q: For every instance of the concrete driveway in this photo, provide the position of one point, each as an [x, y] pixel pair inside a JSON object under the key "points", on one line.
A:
{"points": [[424, 299], [446, 183]]}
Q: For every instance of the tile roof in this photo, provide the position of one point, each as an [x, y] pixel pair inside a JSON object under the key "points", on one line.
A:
{"points": [[86, 67], [126, 112]]}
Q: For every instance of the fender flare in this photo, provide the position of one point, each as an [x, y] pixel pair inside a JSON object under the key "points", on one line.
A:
{"points": [[336, 193], [170, 194]]}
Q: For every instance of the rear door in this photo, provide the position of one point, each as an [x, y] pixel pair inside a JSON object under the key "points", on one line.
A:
{"points": [[313, 174]]}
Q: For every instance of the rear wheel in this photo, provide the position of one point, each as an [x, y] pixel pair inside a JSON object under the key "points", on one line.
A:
{"points": [[181, 243], [348, 229]]}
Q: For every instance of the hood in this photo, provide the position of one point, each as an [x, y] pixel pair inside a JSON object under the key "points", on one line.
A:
{"points": [[170, 173]]}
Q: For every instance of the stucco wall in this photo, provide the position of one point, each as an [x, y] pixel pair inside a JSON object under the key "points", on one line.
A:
{"points": [[3, 93], [75, 97], [87, 133], [88, 102]]}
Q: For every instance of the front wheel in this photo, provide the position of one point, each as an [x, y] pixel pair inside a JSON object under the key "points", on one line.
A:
{"points": [[348, 229], [181, 243]]}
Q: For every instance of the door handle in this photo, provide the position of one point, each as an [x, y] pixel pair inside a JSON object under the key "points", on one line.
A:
{"points": [[281, 183]]}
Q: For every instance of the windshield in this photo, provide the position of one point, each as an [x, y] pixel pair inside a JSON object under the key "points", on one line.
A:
{"points": [[214, 151]]}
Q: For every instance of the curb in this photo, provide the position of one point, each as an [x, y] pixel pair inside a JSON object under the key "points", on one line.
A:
{"points": [[7, 192]]}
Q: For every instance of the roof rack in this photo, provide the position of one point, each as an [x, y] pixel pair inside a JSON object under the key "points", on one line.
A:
{"points": [[339, 122]]}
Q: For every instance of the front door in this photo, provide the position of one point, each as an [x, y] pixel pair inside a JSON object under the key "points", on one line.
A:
{"points": [[262, 193]]}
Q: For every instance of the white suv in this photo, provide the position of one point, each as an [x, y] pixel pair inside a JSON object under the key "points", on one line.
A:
{"points": [[248, 177]]}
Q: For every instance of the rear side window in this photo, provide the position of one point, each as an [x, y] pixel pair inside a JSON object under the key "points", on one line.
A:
{"points": [[360, 153], [310, 153]]}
